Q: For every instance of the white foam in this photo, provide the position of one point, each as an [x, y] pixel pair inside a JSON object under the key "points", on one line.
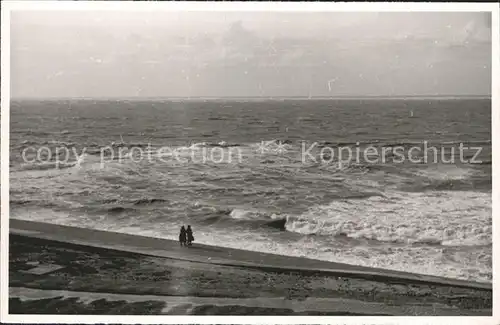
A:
{"points": [[472, 264], [448, 218], [252, 214]]}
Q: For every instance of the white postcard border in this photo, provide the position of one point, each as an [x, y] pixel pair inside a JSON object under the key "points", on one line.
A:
{"points": [[8, 6]]}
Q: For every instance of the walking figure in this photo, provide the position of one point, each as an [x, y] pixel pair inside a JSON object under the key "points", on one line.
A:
{"points": [[182, 236], [190, 237]]}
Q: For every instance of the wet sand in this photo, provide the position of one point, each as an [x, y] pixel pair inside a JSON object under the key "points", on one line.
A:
{"points": [[67, 270]]}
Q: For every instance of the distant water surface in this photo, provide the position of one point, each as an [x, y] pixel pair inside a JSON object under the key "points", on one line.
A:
{"points": [[432, 218]]}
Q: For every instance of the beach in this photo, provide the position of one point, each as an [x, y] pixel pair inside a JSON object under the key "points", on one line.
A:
{"points": [[67, 270]]}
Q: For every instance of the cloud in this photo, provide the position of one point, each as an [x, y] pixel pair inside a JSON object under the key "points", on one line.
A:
{"points": [[376, 54]]}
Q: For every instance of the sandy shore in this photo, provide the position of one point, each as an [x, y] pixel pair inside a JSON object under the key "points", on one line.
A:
{"points": [[66, 270]]}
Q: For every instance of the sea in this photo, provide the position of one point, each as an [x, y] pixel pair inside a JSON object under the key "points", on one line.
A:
{"points": [[343, 180]]}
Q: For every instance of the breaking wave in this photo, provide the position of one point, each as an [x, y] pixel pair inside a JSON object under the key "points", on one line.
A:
{"points": [[407, 233], [417, 219], [258, 218]]}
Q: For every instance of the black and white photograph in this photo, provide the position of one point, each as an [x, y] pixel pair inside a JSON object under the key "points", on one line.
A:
{"points": [[251, 160]]}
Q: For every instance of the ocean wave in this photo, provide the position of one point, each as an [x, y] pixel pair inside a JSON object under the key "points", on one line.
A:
{"points": [[28, 142], [68, 144], [408, 219], [47, 165], [447, 178], [110, 201], [20, 202], [267, 161], [119, 209], [127, 145], [396, 143], [222, 144], [378, 143], [84, 147], [97, 152], [441, 185], [281, 141], [242, 214], [199, 145], [458, 185], [147, 201], [249, 217], [273, 142], [470, 235], [34, 203]]}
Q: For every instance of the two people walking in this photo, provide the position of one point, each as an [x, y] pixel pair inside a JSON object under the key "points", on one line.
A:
{"points": [[186, 237]]}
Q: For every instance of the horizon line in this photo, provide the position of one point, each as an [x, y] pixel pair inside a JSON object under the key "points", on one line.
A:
{"points": [[252, 97]]}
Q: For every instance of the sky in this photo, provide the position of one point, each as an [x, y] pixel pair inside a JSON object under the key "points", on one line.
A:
{"points": [[249, 54]]}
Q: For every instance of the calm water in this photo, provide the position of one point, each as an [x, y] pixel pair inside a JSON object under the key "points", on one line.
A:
{"points": [[432, 218]]}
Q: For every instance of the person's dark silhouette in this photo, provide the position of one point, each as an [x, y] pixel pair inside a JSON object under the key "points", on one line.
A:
{"points": [[190, 237], [182, 236]]}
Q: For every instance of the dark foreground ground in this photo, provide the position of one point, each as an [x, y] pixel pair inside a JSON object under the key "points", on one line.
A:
{"points": [[51, 277]]}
